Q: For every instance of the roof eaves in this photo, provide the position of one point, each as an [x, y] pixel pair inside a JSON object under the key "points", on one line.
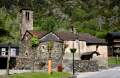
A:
{"points": [[27, 31]]}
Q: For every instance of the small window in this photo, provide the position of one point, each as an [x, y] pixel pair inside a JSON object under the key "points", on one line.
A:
{"points": [[27, 15], [13, 52], [26, 54], [3, 53], [26, 38], [13, 49], [3, 49], [6, 53]]}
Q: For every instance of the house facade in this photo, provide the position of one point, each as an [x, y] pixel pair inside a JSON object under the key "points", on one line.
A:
{"points": [[14, 52], [113, 40]]}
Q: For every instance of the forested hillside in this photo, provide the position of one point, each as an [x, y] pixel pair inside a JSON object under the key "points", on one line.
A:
{"points": [[96, 17]]}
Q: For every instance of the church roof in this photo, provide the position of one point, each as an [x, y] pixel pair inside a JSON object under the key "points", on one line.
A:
{"points": [[66, 36], [50, 37]]}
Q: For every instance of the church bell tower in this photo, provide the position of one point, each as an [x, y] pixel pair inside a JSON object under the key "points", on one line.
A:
{"points": [[26, 20]]}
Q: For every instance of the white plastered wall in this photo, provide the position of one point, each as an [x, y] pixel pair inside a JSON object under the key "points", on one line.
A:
{"points": [[80, 48], [103, 57]]}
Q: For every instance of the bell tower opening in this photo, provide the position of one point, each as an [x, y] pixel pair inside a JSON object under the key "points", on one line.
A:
{"points": [[27, 16]]}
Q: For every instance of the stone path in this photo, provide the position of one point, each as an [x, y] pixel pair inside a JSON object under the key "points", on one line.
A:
{"points": [[109, 73]]}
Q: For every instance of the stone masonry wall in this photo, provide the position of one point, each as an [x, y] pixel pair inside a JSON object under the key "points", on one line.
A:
{"points": [[86, 66], [39, 55]]}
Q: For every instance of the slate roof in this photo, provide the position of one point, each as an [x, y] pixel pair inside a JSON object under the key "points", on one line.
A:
{"points": [[37, 33], [67, 36], [50, 37]]}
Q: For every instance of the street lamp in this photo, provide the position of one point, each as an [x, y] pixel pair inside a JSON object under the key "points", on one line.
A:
{"points": [[73, 50], [8, 59]]}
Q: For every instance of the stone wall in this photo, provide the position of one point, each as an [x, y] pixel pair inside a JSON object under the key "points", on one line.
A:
{"points": [[39, 56], [86, 66], [22, 63], [80, 65]]}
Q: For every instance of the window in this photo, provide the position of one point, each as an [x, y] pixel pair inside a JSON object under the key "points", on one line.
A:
{"points": [[3, 52], [13, 52], [26, 54], [26, 38], [27, 15], [3, 49]]}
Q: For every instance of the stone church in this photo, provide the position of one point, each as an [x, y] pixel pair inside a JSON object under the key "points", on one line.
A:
{"points": [[62, 42]]}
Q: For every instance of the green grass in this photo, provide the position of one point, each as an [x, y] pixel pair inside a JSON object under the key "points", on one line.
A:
{"points": [[41, 75], [112, 60]]}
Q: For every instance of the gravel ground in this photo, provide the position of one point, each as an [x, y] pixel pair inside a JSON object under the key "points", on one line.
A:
{"points": [[109, 73]]}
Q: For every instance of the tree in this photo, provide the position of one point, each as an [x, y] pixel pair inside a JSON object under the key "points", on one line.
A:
{"points": [[9, 25], [25, 4], [49, 24], [34, 44]]}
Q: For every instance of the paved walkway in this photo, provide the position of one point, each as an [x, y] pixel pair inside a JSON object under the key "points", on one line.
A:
{"points": [[109, 73]]}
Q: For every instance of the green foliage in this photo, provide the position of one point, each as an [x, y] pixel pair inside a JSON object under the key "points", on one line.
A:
{"points": [[10, 25], [25, 3], [113, 60], [101, 34], [50, 24], [59, 15], [34, 41], [79, 14], [50, 45]]}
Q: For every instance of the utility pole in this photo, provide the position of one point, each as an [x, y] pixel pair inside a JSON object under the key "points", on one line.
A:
{"points": [[8, 59]]}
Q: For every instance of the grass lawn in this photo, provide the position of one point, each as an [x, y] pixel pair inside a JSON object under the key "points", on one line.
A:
{"points": [[41, 75], [112, 60]]}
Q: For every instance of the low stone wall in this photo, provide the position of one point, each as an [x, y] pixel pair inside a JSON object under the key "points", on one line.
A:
{"points": [[27, 63], [86, 66], [22, 63]]}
